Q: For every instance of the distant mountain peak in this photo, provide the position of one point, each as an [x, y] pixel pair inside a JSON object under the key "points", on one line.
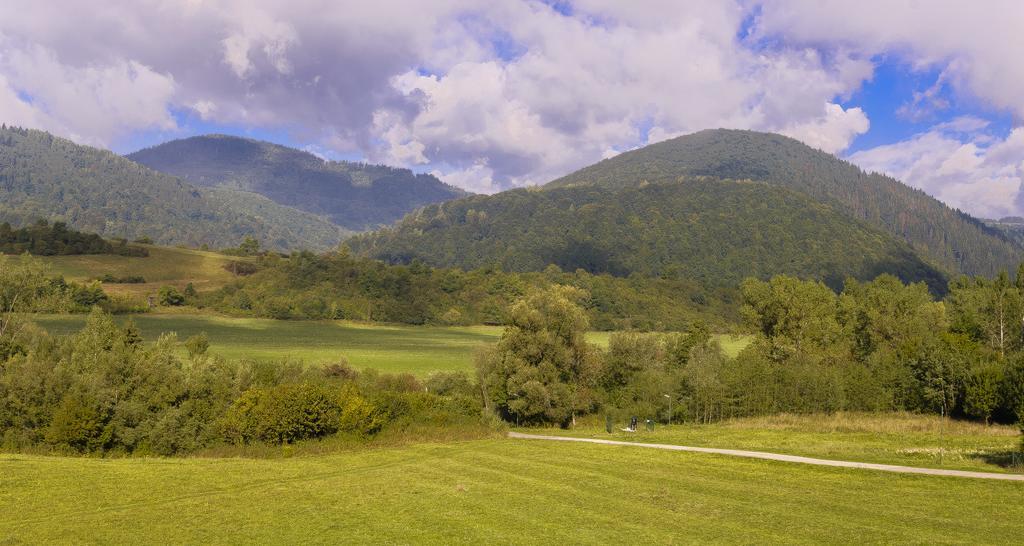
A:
{"points": [[42, 176]]}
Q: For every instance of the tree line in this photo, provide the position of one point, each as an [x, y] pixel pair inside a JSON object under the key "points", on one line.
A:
{"points": [[338, 285], [44, 239], [876, 346]]}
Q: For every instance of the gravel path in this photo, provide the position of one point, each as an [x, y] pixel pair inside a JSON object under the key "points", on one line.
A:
{"points": [[785, 458]]}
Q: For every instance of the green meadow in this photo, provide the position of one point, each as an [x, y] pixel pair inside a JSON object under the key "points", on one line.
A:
{"points": [[492, 491], [414, 349], [887, 438], [389, 348]]}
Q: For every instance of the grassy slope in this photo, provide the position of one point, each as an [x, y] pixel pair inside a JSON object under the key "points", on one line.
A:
{"points": [[493, 491], [388, 348], [906, 439], [164, 265]]}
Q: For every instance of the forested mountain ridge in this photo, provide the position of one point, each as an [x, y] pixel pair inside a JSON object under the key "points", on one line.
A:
{"points": [[356, 196], [954, 240], [46, 177], [711, 230]]}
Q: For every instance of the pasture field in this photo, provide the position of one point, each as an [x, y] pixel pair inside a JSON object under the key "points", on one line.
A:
{"points": [[389, 348], [164, 265], [492, 491], [414, 349], [888, 438]]}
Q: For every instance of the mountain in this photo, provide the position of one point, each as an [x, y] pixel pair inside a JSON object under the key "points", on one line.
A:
{"points": [[1010, 226], [712, 230], [45, 177], [952, 239], [356, 196]]}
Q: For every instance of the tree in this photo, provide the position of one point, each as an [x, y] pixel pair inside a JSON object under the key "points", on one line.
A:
{"points": [[887, 315], [542, 370], [982, 391], [170, 296], [794, 316], [249, 247]]}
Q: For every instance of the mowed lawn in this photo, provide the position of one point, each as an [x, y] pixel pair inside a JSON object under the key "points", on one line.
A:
{"points": [[888, 438], [492, 491], [415, 349]]}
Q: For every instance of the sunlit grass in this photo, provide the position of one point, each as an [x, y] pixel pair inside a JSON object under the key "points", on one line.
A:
{"points": [[492, 492], [894, 438], [164, 265]]}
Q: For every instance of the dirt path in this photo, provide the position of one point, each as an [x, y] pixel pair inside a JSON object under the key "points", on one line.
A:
{"points": [[784, 458]]}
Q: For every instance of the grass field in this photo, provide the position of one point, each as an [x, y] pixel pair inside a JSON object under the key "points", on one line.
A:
{"points": [[415, 349], [894, 438], [492, 491], [164, 265]]}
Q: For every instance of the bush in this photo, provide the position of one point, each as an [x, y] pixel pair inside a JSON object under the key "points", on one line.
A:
{"points": [[79, 424], [170, 296], [197, 345], [290, 412]]}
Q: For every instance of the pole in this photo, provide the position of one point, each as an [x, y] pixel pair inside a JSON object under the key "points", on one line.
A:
{"points": [[669, 408]]}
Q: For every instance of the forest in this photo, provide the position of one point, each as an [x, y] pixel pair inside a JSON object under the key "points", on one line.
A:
{"points": [[955, 241], [716, 232], [338, 285], [43, 176], [44, 239]]}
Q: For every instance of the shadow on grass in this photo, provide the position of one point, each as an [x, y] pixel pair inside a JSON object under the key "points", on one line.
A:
{"points": [[1010, 459]]}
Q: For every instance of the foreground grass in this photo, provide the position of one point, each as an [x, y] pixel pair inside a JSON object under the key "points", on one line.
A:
{"points": [[164, 265], [890, 438], [389, 348], [492, 491]]}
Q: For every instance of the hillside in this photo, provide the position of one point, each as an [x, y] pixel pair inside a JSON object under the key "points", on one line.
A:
{"points": [[356, 196], [42, 176], [956, 241], [161, 266], [715, 231]]}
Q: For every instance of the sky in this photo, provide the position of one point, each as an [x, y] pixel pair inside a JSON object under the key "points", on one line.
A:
{"points": [[494, 94]]}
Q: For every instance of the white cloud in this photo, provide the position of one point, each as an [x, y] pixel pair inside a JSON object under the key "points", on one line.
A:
{"points": [[477, 178], [972, 171], [975, 44], [586, 85], [834, 131], [93, 104], [509, 91]]}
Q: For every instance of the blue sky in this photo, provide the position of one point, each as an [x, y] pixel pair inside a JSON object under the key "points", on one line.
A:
{"points": [[509, 93]]}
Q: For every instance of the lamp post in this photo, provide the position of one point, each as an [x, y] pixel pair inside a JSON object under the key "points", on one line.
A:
{"points": [[669, 408]]}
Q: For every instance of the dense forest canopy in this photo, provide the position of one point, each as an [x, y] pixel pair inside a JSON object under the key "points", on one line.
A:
{"points": [[44, 239], [952, 239], [42, 176], [356, 196], [716, 232], [341, 286]]}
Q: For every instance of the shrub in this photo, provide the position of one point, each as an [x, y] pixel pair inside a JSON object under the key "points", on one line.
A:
{"points": [[284, 414], [170, 296], [197, 345], [79, 424]]}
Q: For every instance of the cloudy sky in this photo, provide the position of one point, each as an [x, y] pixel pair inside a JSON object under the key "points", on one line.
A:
{"points": [[492, 94]]}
